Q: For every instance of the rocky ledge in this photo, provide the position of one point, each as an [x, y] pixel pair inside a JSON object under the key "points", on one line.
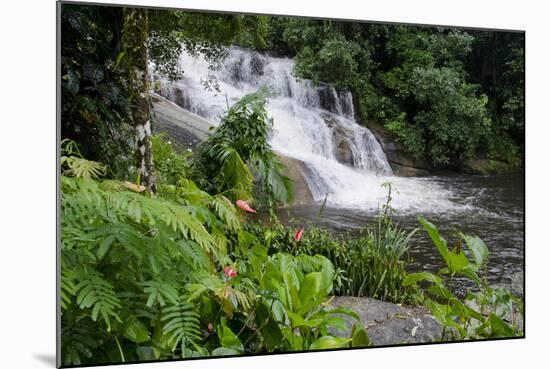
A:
{"points": [[390, 324]]}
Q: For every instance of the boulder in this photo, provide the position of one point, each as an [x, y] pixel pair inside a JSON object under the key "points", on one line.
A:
{"points": [[486, 167], [390, 324], [295, 171]]}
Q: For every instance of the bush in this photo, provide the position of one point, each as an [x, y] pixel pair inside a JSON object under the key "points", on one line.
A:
{"points": [[485, 313], [238, 160]]}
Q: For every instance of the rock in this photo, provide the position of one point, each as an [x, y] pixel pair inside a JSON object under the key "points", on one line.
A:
{"points": [[342, 150], [486, 166], [405, 171], [180, 98], [295, 171], [342, 147], [390, 324], [257, 64], [184, 128]]}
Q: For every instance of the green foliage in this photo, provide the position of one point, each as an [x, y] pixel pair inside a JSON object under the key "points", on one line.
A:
{"points": [[335, 62], [239, 158], [369, 264], [95, 99], [485, 313], [142, 277], [447, 95], [170, 165]]}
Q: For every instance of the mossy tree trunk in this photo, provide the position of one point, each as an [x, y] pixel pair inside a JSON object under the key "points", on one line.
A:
{"points": [[134, 39]]}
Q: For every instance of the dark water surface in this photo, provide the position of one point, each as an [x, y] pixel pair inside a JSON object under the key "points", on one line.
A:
{"points": [[496, 215]]}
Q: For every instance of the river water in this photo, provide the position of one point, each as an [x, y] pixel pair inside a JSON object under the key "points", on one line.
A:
{"points": [[315, 125], [491, 207]]}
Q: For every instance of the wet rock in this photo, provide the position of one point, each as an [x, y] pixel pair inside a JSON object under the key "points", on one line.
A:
{"points": [[343, 151], [294, 169], [185, 129], [486, 166], [405, 171], [403, 163], [257, 64], [328, 99], [180, 98], [390, 324]]}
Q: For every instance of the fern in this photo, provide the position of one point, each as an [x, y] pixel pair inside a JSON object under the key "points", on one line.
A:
{"points": [[181, 324], [98, 294], [227, 212], [158, 292]]}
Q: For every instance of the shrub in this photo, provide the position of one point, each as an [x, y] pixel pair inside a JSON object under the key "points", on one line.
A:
{"points": [[239, 159], [485, 313]]}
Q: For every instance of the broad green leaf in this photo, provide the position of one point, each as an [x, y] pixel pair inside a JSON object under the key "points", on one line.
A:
{"points": [[310, 291], [359, 336], [228, 339], [329, 342], [422, 276], [438, 241], [146, 353], [225, 351], [479, 249]]}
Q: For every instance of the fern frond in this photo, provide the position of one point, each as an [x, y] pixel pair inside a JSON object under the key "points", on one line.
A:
{"points": [[82, 168], [158, 292], [181, 324], [226, 211], [68, 289], [98, 294]]}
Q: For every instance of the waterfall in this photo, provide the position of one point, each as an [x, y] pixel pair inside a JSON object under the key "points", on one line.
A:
{"points": [[313, 124]]}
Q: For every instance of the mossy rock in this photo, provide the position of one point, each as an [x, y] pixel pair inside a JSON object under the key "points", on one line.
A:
{"points": [[488, 166]]}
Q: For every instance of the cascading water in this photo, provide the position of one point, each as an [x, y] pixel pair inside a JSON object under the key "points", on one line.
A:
{"points": [[313, 124]]}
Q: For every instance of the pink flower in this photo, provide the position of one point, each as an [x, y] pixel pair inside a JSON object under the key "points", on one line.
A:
{"points": [[298, 235], [244, 205], [229, 272]]}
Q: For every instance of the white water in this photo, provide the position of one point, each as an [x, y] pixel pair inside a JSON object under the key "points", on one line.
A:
{"points": [[306, 121]]}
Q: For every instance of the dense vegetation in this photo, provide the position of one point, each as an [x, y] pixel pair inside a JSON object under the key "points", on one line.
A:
{"points": [[160, 256], [447, 95]]}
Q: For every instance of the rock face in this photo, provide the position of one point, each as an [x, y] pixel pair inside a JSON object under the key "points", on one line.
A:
{"points": [[186, 129], [390, 324]]}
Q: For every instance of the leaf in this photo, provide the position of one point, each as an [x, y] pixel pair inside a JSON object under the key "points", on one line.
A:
{"points": [[413, 278], [228, 339], [438, 241], [479, 249], [359, 336], [225, 351], [135, 330], [329, 342]]}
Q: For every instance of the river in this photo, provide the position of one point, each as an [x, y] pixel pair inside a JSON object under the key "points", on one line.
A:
{"points": [[493, 210]]}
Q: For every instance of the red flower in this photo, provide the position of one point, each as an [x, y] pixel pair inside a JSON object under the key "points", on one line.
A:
{"points": [[229, 272], [244, 205], [298, 235]]}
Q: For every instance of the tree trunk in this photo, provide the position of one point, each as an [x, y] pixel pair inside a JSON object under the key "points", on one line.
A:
{"points": [[134, 39]]}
